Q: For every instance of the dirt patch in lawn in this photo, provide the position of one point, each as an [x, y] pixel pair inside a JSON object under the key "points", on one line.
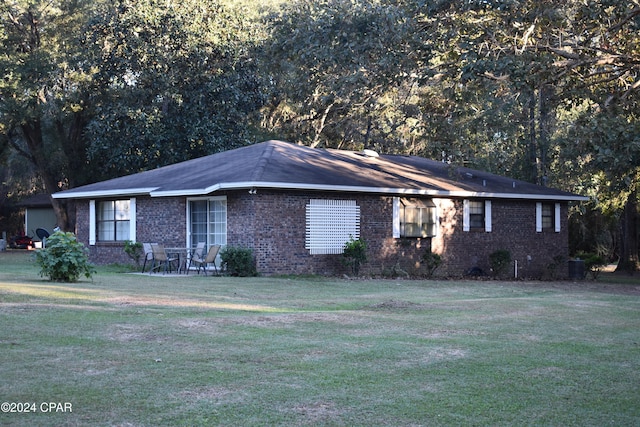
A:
{"points": [[397, 305], [318, 412], [133, 333], [267, 321]]}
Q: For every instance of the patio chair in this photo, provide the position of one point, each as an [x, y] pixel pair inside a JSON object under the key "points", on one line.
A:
{"points": [[198, 255], [209, 259], [160, 259], [148, 254]]}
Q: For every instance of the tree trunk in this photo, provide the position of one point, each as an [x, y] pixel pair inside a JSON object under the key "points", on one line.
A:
{"points": [[32, 134], [629, 236], [533, 139], [545, 93]]}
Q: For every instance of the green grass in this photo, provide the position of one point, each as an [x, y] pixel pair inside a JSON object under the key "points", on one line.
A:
{"points": [[132, 350]]}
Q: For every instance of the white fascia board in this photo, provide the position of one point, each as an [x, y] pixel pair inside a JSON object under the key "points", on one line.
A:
{"points": [[486, 195], [358, 189], [191, 192], [102, 194]]}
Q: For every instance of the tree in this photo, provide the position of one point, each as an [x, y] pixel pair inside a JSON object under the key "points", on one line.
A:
{"points": [[93, 90], [574, 68], [343, 73], [176, 82], [43, 106], [605, 137], [607, 145]]}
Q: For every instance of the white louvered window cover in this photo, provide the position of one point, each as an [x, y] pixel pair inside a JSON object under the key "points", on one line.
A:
{"points": [[330, 224]]}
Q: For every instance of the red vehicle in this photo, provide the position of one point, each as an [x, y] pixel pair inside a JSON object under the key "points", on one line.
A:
{"points": [[21, 242]]}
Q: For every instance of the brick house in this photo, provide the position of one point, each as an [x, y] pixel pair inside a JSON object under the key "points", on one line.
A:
{"points": [[296, 207]]}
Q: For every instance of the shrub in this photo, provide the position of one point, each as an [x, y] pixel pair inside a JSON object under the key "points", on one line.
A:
{"points": [[432, 261], [499, 261], [64, 259], [134, 250], [554, 265], [354, 254], [593, 263], [238, 261]]}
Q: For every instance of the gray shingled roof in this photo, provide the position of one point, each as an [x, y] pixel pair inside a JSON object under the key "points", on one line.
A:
{"points": [[36, 201], [277, 164]]}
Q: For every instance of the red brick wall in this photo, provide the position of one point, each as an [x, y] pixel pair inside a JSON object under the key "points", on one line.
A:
{"points": [[161, 220], [273, 224], [513, 229]]}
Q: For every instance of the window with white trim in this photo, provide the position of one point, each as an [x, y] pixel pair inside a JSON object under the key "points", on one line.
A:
{"points": [[330, 225], [476, 215], [112, 220], [414, 218], [547, 217], [207, 221]]}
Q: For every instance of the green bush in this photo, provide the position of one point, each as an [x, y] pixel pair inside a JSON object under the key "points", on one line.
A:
{"points": [[593, 263], [64, 259], [553, 267], [238, 261], [134, 250], [354, 254], [499, 261], [432, 261]]}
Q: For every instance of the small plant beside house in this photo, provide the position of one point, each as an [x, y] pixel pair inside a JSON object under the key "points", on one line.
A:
{"points": [[133, 250], [553, 268], [355, 254], [499, 261], [238, 261], [64, 259], [431, 261], [593, 263]]}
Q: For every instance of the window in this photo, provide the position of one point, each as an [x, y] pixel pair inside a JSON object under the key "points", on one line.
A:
{"points": [[208, 221], [415, 218], [547, 217], [476, 215], [113, 220], [330, 224]]}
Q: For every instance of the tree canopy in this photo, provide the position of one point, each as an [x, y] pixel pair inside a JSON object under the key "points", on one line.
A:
{"points": [[545, 91], [43, 90], [173, 83]]}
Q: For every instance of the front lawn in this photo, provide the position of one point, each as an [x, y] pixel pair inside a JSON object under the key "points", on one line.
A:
{"points": [[139, 350]]}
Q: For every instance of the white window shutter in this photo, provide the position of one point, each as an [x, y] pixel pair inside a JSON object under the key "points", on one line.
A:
{"points": [[487, 216], [437, 217], [330, 224], [92, 222], [465, 215], [132, 219], [396, 217], [539, 217], [557, 218]]}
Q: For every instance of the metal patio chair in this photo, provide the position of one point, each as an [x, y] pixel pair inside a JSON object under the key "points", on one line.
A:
{"points": [[161, 260], [148, 254], [209, 259]]}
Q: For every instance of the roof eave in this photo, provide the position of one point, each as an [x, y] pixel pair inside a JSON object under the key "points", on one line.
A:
{"points": [[103, 193], [360, 189], [154, 192]]}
